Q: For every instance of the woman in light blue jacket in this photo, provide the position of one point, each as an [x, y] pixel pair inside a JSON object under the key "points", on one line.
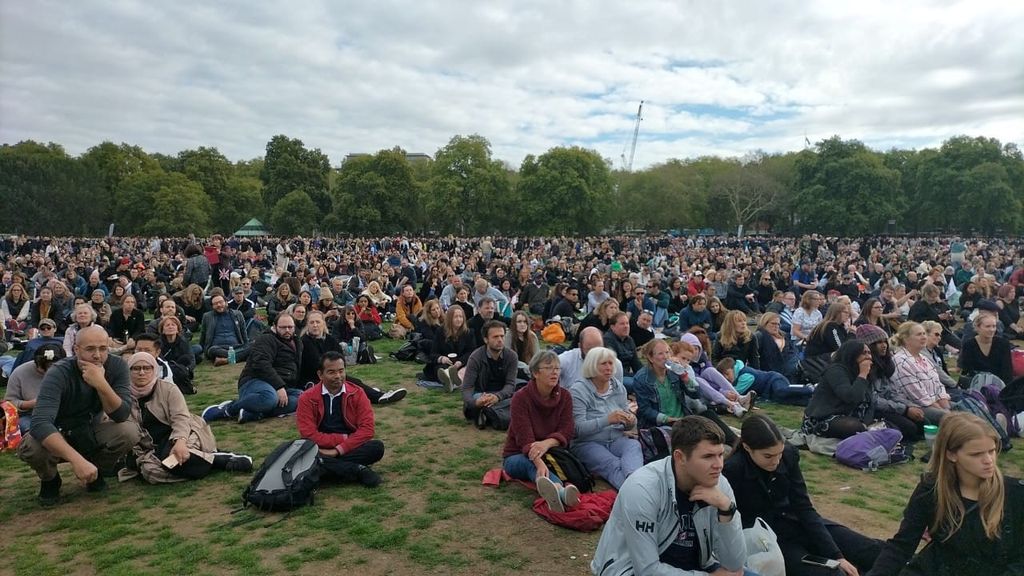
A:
{"points": [[601, 413]]}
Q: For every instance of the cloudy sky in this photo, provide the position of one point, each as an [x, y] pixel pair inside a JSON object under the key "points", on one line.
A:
{"points": [[720, 78]]}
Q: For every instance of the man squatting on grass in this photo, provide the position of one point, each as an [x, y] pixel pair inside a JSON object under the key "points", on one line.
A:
{"points": [[67, 423]]}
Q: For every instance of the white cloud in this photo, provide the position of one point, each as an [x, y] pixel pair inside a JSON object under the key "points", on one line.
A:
{"points": [[722, 78]]}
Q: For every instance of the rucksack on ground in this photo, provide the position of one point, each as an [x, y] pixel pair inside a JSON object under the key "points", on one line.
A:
{"points": [[287, 479], [569, 468], [872, 449], [655, 442], [971, 403]]}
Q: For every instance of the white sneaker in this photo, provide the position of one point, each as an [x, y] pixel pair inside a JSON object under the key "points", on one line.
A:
{"points": [[571, 496], [445, 378], [392, 396], [548, 490], [737, 410], [453, 375]]}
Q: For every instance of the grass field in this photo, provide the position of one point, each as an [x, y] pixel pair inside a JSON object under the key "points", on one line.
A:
{"points": [[431, 515]]}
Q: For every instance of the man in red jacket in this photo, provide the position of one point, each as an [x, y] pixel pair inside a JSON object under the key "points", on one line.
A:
{"points": [[337, 416]]}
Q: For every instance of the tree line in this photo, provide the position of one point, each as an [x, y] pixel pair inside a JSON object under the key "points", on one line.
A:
{"points": [[968, 184]]}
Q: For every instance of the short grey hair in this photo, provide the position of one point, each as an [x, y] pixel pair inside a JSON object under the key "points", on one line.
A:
{"points": [[543, 359], [595, 356]]}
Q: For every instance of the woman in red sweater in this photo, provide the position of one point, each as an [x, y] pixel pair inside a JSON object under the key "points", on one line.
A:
{"points": [[541, 419]]}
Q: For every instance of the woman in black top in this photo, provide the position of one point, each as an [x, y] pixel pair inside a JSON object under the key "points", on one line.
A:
{"points": [[766, 479], [986, 352], [831, 332], [451, 351], [974, 515], [126, 322], [871, 313], [315, 343], [348, 326]]}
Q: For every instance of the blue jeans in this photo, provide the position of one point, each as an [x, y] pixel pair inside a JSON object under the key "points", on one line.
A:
{"points": [[6, 364], [24, 423], [259, 399], [776, 387], [627, 383], [520, 468]]}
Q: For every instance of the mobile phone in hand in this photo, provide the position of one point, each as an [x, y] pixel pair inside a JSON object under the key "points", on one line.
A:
{"points": [[820, 561]]}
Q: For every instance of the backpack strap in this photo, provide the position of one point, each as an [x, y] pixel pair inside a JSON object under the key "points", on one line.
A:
{"points": [[286, 470]]}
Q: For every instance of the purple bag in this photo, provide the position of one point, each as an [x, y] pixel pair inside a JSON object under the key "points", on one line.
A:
{"points": [[871, 449]]}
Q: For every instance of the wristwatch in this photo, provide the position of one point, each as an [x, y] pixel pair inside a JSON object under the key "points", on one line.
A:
{"points": [[730, 512]]}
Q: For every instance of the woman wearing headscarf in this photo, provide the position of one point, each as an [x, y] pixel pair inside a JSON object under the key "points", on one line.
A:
{"points": [[175, 444]]}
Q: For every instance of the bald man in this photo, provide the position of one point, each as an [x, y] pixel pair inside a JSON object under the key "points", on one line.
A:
{"points": [[571, 361], [67, 423]]}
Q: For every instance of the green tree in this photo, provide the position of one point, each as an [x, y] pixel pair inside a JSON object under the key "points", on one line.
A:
{"points": [[289, 166], [565, 190], [375, 194], [295, 214], [179, 207], [469, 191], [114, 164], [45, 191], [989, 202], [243, 200], [844, 188]]}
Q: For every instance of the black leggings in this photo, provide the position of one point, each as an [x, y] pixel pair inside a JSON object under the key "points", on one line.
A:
{"points": [[842, 427], [910, 429], [858, 549]]}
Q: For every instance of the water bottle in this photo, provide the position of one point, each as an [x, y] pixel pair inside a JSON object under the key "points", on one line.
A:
{"points": [[231, 355], [675, 367], [355, 345]]}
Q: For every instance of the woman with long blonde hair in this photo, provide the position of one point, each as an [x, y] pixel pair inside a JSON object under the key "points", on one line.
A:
{"points": [[974, 516]]}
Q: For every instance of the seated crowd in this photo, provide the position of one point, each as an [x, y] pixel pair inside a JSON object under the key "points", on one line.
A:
{"points": [[673, 337]]}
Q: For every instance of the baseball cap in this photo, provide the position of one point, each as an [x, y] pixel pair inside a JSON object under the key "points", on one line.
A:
{"points": [[47, 322]]}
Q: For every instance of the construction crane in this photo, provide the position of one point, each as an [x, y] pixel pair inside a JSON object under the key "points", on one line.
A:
{"points": [[628, 166]]}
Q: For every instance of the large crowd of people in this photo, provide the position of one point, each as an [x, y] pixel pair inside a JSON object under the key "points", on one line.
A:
{"points": [[685, 335]]}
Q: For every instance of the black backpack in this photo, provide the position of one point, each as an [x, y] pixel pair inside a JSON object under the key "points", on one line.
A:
{"points": [[287, 479], [407, 353], [569, 468]]}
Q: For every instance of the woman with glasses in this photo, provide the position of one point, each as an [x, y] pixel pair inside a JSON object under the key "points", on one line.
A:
{"points": [[175, 445], [541, 419], [871, 313], [806, 317], [775, 348]]}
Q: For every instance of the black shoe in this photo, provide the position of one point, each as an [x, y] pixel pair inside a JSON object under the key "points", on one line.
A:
{"points": [[481, 420], [97, 485], [239, 463], [49, 491], [367, 477]]}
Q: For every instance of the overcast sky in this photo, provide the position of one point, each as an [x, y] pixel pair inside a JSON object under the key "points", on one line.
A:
{"points": [[720, 78]]}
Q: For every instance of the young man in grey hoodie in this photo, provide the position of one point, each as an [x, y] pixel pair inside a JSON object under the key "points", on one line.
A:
{"points": [[676, 515]]}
